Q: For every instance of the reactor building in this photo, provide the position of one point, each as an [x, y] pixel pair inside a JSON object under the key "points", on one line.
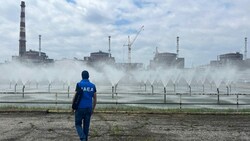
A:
{"points": [[232, 60], [30, 56], [99, 57], [105, 58], [167, 60], [236, 60]]}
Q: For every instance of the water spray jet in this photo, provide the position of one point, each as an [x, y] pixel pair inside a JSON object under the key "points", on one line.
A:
{"points": [[49, 87], [190, 90], [63, 86], [152, 87]]}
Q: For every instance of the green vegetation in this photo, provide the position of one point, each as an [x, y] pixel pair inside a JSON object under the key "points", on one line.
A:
{"points": [[133, 109], [116, 130], [127, 109], [30, 108], [94, 133]]}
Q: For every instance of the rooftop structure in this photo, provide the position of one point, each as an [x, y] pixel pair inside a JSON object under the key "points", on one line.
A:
{"points": [[231, 59], [99, 57], [166, 60]]}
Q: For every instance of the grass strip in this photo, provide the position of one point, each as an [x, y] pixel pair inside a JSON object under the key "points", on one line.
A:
{"points": [[127, 109]]}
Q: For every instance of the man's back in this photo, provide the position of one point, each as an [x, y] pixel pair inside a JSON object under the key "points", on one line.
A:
{"points": [[89, 90]]}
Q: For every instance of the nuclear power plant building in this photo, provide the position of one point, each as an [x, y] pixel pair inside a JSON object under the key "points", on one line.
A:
{"points": [[236, 60], [166, 60], [28, 56], [99, 57], [232, 60]]}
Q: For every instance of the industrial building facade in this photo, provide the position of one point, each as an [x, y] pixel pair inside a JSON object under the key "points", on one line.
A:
{"points": [[231, 59], [99, 57], [28, 56], [166, 60]]}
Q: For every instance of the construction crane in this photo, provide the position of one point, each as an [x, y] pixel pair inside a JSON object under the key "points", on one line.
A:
{"points": [[131, 43]]}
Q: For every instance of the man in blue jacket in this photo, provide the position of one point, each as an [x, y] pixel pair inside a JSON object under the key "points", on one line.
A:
{"points": [[86, 106]]}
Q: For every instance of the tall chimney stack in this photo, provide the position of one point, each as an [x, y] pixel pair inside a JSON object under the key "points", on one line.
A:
{"points": [[245, 55], [40, 45], [22, 38], [109, 47], [177, 47]]}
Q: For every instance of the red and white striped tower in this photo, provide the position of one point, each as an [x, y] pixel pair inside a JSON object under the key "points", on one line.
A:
{"points": [[22, 38]]}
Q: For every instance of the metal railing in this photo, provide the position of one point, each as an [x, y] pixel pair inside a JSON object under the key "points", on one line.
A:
{"points": [[162, 99]]}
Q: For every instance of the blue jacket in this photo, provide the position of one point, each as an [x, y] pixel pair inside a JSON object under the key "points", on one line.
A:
{"points": [[88, 92]]}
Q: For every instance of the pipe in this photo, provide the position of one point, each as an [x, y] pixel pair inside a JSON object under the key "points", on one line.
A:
{"points": [[227, 90], [15, 87], [152, 89], [40, 45], [109, 47], [23, 90], [165, 95], [112, 91], [116, 85], [22, 37], [174, 88], [177, 47], [68, 91], [245, 55], [218, 96], [190, 90]]}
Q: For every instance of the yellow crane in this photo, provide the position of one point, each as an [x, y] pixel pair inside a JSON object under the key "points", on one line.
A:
{"points": [[131, 43]]}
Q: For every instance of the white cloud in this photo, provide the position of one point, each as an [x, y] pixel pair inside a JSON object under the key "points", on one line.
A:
{"points": [[75, 29]]}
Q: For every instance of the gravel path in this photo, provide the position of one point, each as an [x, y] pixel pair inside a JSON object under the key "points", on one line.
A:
{"points": [[40, 126]]}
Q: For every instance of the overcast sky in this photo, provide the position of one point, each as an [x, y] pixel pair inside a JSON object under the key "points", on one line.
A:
{"points": [[75, 28]]}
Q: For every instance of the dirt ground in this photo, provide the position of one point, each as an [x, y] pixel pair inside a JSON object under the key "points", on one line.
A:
{"points": [[41, 126]]}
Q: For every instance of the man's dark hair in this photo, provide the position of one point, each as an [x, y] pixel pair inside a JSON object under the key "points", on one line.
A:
{"points": [[85, 74]]}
